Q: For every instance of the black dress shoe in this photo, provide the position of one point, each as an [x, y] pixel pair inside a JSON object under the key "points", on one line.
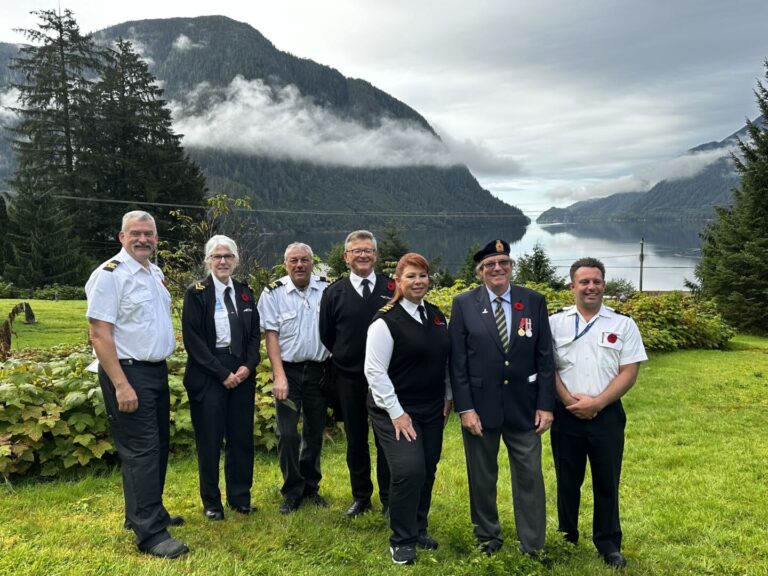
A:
{"points": [[245, 510], [176, 521], [289, 505], [358, 507], [403, 554], [214, 514], [427, 542], [170, 548], [571, 537], [615, 560], [316, 499], [490, 547]]}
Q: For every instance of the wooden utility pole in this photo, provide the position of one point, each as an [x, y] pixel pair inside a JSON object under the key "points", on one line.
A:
{"points": [[642, 257]]}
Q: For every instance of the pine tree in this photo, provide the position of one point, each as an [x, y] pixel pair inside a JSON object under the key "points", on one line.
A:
{"points": [[133, 154], [53, 97], [734, 265], [42, 247], [536, 267]]}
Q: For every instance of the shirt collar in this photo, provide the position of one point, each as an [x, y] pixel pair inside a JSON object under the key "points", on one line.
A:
{"points": [[572, 311], [410, 307], [220, 286], [290, 286], [358, 280], [131, 263], [505, 297]]}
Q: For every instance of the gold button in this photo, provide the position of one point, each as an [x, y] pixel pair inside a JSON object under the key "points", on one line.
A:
{"points": [[506, 381]]}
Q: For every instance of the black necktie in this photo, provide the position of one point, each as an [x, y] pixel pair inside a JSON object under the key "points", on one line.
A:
{"points": [[422, 314], [366, 288], [235, 335]]}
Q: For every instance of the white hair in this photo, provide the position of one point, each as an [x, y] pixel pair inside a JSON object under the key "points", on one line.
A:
{"points": [[139, 216], [297, 246], [360, 235], [221, 240]]}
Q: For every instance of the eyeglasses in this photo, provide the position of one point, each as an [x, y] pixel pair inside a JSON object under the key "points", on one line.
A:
{"points": [[224, 257], [294, 261], [501, 263], [361, 251]]}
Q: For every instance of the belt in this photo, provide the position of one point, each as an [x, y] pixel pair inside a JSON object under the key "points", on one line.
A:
{"points": [[132, 362], [224, 350], [305, 363]]}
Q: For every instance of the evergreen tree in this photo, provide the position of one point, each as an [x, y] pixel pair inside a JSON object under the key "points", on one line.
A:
{"points": [[391, 248], [3, 232], [132, 153], [536, 267], [734, 266], [53, 98], [43, 248], [467, 271]]}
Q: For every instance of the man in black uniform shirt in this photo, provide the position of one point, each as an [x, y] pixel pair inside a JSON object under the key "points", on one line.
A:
{"points": [[346, 310]]}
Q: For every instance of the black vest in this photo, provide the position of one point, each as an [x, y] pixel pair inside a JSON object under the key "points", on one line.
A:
{"points": [[419, 356]]}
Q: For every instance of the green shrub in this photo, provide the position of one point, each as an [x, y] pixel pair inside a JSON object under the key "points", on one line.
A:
{"points": [[52, 416], [59, 292], [9, 290]]}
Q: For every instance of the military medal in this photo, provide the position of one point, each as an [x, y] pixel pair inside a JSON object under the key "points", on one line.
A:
{"points": [[528, 328], [521, 328]]}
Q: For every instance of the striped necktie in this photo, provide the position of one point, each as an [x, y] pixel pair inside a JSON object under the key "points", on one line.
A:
{"points": [[501, 324]]}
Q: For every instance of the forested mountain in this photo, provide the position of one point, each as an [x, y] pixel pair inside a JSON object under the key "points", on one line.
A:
{"points": [[197, 59], [686, 198]]}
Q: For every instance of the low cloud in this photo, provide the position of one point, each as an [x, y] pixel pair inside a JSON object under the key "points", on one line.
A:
{"points": [[9, 98], [251, 117], [184, 43], [480, 159], [643, 179]]}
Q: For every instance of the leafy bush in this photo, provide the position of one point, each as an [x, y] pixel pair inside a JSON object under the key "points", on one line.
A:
{"points": [[52, 416], [59, 292], [9, 290], [673, 320]]}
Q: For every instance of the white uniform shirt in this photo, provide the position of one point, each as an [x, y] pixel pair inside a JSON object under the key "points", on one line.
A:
{"points": [[378, 354], [588, 364], [135, 300], [295, 316], [357, 281], [220, 312]]}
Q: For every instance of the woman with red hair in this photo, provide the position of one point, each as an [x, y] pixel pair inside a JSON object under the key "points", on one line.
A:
{"points": [[409, 401]]}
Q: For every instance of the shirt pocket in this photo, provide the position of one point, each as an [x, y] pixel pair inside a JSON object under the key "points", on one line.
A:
{"points": [[288, 323], [137, 306], [612, 340]]}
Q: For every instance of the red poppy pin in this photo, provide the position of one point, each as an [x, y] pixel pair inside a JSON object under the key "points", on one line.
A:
{"points": [[437, 321], [245, 297], [612, 338], [390, 285], [518, 305]]}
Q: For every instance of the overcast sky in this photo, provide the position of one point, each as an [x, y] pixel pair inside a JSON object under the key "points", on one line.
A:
{"points": [[547, 102]]}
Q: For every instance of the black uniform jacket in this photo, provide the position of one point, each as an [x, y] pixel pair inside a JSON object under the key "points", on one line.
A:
{"points": [[503, 388], [199, 332]]}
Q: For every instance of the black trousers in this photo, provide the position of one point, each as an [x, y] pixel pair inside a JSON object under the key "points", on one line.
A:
{"points": [[352, 389], [412, 466], [299, 454], [225, 416], [141, 439], [601, 441]]}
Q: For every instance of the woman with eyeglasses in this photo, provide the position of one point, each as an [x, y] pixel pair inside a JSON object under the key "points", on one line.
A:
{"points": [[220, 326], [409, 401]]}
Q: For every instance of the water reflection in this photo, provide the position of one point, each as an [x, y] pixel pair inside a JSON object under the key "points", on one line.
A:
{"points": [[671, 249]]}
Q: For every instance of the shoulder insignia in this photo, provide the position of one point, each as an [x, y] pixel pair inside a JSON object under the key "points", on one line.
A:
{"points": [[323, 279], [273, 285], [111, 265], [622, 313], [386, 308], [199, 286], [557, 311]]}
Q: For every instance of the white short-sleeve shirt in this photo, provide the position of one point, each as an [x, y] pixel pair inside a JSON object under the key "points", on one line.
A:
{"points": [[295, 315], [135, 300], [589, 363]]}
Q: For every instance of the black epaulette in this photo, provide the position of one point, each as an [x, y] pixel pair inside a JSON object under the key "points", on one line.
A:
{"points": [[323, 279], [386, 308], [111, 265], [622, 313], [557, 311], [274, 285]]}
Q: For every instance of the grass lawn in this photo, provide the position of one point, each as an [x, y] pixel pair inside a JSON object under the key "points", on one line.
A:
{"points": [[694, 500], [58, 322]]}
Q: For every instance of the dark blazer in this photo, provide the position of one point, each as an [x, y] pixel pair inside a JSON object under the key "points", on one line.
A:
{"points": [[199, 333], [501, 388]]}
